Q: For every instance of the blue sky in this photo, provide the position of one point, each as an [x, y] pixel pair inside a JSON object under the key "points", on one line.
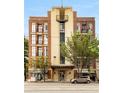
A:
{"points": [[40, 8]]}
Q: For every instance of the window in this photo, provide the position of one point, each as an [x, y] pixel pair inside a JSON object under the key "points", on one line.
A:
{"points": [[84, 31], [39, 39], [33, 39], [85, 28], [84, 24], [40, 28], [62, 26], [34, 27], [39, 51], [45, 27], [90, 26], [44, 51], [62, 37], [78, 26], [33, 51], [62, 60], [46, 39]]}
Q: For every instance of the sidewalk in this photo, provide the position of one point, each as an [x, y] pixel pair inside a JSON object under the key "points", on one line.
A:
{"points": [[46, 81], [50, 81]]}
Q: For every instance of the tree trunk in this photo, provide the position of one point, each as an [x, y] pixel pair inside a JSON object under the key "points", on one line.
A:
{"points": [[44, 73], [81, 64], [78, 67], [78, 71]]}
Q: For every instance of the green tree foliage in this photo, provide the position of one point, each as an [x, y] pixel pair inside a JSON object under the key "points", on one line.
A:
{"points": [[80, 49], [43, 65], [25, 57], [25, 50]]}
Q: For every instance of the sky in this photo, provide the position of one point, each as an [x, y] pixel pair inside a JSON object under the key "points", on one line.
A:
{"points": [[84, 8]]}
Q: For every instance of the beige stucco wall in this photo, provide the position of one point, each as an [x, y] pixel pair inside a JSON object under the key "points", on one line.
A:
{"points": [[55, 34], [55, 76], [55, 48], [69, 75]]}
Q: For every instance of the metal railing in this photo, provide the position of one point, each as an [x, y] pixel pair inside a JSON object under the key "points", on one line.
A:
{"points": [[62, 18]]}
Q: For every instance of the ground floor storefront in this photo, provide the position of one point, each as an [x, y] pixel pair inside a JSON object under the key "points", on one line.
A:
{"points": [[62, 73], [56, 73]]}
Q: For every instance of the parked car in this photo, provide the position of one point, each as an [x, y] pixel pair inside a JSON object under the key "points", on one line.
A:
{"points": [[82, 79]]}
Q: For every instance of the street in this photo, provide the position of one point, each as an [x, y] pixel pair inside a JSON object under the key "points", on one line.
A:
{"points": [[61, 88]]}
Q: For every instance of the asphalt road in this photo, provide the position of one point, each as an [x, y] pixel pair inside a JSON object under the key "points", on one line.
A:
{"points": [[61, 88]]}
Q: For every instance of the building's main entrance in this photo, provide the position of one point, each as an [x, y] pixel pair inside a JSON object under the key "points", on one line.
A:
{"points": [[62, 72], [61, 75]]}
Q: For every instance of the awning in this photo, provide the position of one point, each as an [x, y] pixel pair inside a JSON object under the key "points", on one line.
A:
{"points": [[35, 70], [85, 71], [62, 66], [92, 70]]}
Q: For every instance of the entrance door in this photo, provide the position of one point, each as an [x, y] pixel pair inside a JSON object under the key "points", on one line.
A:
{"points": [[61, 75]]}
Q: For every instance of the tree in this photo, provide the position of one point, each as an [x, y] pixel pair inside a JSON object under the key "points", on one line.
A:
{"points": [[80, 49], [25, 57], [91, 50], [43, 65]]}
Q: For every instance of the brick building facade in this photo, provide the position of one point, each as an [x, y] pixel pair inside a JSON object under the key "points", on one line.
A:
{"points": [[45, 35]]}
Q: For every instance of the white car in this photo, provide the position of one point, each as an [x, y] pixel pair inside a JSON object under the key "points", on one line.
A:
{"points": [[82, 79]]}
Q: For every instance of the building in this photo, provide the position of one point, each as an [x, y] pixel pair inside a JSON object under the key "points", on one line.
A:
{"points": [[45, 35]]}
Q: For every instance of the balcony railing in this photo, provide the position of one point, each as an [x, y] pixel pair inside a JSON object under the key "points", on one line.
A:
{"points": [[62, 18]]}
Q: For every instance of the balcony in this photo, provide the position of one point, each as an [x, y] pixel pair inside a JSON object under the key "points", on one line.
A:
{"points": [[62, 18]]}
